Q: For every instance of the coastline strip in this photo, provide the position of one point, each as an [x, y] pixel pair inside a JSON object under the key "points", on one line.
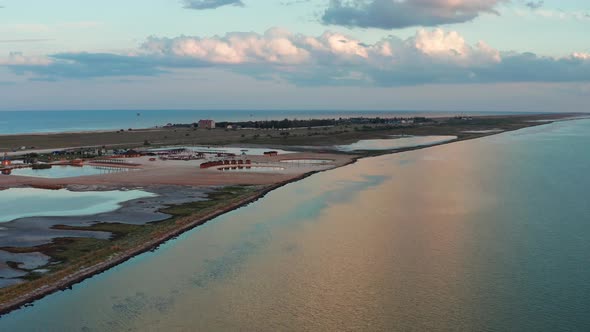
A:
{"points": [[86, 273], [152, 244]]}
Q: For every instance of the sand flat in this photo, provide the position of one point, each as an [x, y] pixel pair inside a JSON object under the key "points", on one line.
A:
{"points": [[178, 172]]}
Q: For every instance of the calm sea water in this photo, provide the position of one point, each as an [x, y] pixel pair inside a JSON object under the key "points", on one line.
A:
{"points": [[483, 235], [17, 122]]}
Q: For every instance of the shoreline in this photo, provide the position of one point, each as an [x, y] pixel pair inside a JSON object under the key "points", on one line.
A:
{"points": [[153, 244], [47, 142], [345, 114]]}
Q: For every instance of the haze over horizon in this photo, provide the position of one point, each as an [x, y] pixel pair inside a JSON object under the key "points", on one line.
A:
{"points": [[434, 55]]}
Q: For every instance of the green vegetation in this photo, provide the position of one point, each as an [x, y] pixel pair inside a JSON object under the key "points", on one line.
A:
{"points": [[310, 123], [339, 131], [41, 166], [70, 255], [349, 133]]}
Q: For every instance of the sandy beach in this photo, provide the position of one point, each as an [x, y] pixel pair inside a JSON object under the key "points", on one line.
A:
{"points": [[178, 172]]}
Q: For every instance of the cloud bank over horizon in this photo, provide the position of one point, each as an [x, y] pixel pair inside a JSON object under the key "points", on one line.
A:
{"points": [[332, 59], [332, 53]]}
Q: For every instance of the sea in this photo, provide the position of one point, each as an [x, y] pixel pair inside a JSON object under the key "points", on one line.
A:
{"points": [[488, 234], [21, 122]]}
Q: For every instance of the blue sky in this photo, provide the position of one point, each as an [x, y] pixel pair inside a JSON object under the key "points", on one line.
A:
{"points": [[295, 54]]}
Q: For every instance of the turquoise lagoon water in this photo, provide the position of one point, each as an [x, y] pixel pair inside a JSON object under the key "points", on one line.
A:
{"points": [[30, 202], [482, 235], [394, 143], [57, 172]]}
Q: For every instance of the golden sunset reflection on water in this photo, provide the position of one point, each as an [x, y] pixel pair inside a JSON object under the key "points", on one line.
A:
{"points": [[488, 234]]}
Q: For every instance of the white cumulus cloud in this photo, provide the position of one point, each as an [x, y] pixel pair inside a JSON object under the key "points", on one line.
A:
{"points": [[280, 47], [332, 58], [581, 56], [19, 59]]}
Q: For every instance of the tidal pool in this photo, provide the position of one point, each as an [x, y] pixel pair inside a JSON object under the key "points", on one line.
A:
{"points": [[395, 143], [58, 172], [30, 202]]}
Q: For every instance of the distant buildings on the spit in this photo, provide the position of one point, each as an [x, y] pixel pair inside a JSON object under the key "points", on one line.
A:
{"points": [[206, 124], [310, 123], [202, 124]]}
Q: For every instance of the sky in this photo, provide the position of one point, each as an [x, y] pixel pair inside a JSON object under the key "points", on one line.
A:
{"points": [[463, 55]]}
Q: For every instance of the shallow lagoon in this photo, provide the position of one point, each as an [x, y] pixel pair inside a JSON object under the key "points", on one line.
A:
{"points": [[481, 235], [58, 172], [394, 143], [30, 202]]}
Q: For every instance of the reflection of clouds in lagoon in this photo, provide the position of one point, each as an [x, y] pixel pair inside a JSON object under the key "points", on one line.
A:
{"points": [[259, 234], [125, 310], [223, 267]]}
